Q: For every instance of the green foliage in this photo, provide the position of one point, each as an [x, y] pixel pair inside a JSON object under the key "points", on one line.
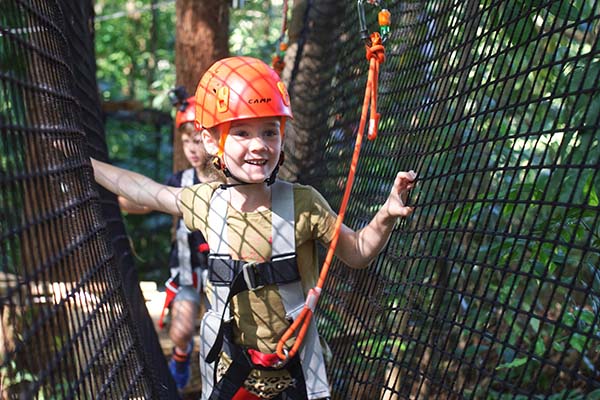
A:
{"points": [[133, 66], [11, 376], [131, 63], [255, 29], [12, 111]]}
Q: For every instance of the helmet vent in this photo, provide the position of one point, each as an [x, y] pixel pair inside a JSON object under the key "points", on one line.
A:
{"points": [[284, 93], [223, 99]]}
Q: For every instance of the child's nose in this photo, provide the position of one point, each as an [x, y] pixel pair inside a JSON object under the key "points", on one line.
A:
{"points": [[257, 143]]}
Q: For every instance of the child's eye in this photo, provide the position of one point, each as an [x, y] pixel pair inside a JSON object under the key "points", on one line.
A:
{"points": [[270, 133], [240, 134]]}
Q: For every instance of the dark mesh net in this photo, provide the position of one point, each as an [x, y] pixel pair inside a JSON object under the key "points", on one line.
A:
{"points": [[73, 321], [492, 288]]}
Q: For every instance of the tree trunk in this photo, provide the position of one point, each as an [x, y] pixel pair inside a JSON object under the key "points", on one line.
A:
{"points": [[307, 66], [202, 37]]}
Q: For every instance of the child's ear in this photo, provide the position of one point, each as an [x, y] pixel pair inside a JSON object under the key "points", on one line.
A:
{"points": [[211, 144]]}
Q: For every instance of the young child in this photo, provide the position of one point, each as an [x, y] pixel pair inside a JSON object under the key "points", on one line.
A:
{"points": [[262, 234]]}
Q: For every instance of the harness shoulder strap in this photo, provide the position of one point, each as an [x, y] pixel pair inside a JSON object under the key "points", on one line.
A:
{"points": [[184, 256], [218, 244], [292, 296]]}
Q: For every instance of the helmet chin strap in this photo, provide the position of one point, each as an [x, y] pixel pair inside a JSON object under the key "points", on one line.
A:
{"points": [[220, 164], [271, 179]]}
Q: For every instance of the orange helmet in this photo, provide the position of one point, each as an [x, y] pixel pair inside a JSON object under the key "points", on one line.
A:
{"points": [[239, 88], [186, 112]]}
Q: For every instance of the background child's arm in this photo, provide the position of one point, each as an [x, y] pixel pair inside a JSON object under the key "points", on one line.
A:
{"points": [[137, 188], [358, 249]]}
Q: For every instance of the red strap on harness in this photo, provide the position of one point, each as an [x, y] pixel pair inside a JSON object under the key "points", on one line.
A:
{"points": [[171, 289], [170, 295], [263, 359], [203, 248], [195, 279]]}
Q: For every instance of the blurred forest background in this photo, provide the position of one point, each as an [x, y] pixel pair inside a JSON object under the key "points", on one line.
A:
{"points": [[135, 49]]}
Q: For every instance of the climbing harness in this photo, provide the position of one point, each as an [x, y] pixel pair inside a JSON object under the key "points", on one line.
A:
{"points": [[281, 46], [230, 277], [375, 54]]}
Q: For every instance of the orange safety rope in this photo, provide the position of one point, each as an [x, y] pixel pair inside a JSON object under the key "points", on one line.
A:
{"points": [[375, 56]]}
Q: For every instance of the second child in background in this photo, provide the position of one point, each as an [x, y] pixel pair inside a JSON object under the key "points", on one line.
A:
{"points": [[189, 250]]}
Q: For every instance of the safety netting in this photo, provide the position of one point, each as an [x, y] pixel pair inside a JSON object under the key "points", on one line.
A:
{"points": [[491, 289], [73, 320]]}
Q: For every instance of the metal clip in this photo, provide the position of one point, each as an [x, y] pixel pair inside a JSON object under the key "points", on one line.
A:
{"points": [[362, 20], [249, 271], [281, 363]]}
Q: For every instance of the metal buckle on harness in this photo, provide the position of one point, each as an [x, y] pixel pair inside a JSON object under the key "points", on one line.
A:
{"points": [[281, 363], [249, 271]]}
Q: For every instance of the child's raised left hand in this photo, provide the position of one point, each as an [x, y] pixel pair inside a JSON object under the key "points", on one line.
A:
{"points": [[358, 249]]}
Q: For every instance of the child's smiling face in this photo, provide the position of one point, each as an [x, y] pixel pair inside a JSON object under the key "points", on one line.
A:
{"points": [[252, 148]]}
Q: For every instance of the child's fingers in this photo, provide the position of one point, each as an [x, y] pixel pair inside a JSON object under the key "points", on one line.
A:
{"points": [[406, 211], [405, 180]]}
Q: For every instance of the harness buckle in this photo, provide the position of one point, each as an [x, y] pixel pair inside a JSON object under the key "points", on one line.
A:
{"points": [[249, 271]]}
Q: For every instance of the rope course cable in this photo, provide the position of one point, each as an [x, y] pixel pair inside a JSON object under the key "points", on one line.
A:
{"points": [[125, 13]]}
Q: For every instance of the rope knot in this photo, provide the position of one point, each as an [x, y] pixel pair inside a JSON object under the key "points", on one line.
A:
{"points": [[376, 49]]}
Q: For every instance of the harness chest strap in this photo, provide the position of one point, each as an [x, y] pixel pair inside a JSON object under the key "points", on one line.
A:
{"points": [[281, 270]]}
